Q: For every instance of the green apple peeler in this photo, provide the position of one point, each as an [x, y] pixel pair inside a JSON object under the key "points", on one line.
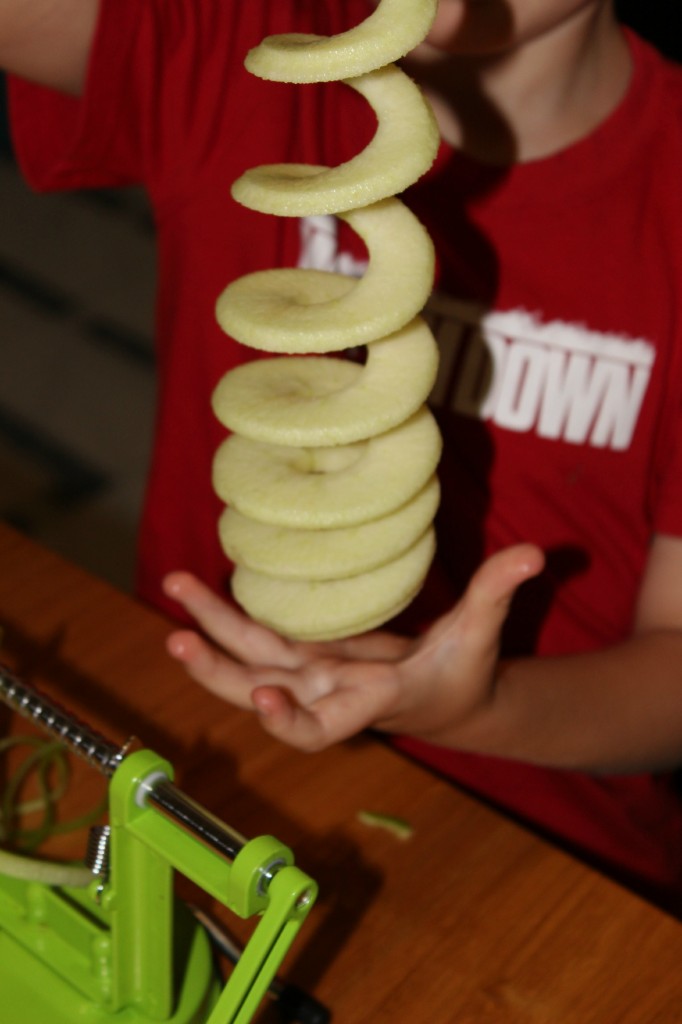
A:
{"points": [[123, 949]]}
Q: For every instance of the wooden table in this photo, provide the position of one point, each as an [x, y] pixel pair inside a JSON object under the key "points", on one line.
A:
{"points": [[471, 921]]}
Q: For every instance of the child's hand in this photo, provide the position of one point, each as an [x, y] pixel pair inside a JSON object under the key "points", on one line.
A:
{"points": [[311, 695]]}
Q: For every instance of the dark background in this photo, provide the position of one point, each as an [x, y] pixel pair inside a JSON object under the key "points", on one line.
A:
{"points": [[656, 20]]}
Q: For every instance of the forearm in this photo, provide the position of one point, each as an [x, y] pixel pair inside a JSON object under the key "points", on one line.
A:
{"points": [[618, 710]]}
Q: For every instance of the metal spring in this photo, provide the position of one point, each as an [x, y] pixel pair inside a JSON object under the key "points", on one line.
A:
{"points": [[98, 851]]}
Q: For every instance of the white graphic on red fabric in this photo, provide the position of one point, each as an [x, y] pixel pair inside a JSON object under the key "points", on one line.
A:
{"points": [[320, 251], [560, 380], [563, 381]]}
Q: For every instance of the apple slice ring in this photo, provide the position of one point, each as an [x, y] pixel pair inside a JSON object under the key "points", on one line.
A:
{"points": [[327, 554], [301, 311], [314, 402], [322, 488], [332, 609], [329, 474], [403, 148], [390, 32]]}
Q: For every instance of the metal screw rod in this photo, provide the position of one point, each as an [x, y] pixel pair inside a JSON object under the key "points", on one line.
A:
{"points": [[106, 757], [42, 710]]}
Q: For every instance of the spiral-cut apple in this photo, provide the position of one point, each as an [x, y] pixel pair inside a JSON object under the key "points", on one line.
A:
{"points": [[329, 474]]}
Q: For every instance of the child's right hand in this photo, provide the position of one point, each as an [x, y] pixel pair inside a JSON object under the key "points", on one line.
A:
{"points": [[311, 695]]}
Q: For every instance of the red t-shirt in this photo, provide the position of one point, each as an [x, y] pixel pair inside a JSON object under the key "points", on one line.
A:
{"points": [[556, 309]]}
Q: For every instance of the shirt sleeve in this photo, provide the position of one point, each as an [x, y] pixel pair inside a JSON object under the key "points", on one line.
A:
{"points": [[146, 116], [62, 142]]}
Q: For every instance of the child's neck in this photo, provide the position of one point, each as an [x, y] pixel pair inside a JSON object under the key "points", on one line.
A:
{"points": [[533, 101]]}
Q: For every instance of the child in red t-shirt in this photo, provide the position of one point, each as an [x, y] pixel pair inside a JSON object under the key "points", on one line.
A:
{"points": [[567, 478]]}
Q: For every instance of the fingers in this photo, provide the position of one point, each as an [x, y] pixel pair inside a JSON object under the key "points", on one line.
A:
{"points": [[287, 721], [343, 712], [308, 708], [221, 620], [300, 714], [255, 644], [229, 679], [297, 690], [218, 674]]}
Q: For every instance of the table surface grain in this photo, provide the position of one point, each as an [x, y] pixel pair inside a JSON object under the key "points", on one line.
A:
{"points": [[472, 920]]}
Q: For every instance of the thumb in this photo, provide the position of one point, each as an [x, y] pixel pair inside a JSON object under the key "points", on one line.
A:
{"points": [[494, 584], [480, 614]]}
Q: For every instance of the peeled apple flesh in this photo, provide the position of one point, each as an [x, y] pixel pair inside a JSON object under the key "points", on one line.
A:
{"points": [[329, 472]]}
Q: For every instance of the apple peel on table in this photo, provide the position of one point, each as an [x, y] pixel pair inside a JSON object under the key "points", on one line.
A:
{"points": [[329, 472]]}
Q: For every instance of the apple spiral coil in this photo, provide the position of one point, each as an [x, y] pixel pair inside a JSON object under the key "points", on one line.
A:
{"points": [[329, 473]]}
